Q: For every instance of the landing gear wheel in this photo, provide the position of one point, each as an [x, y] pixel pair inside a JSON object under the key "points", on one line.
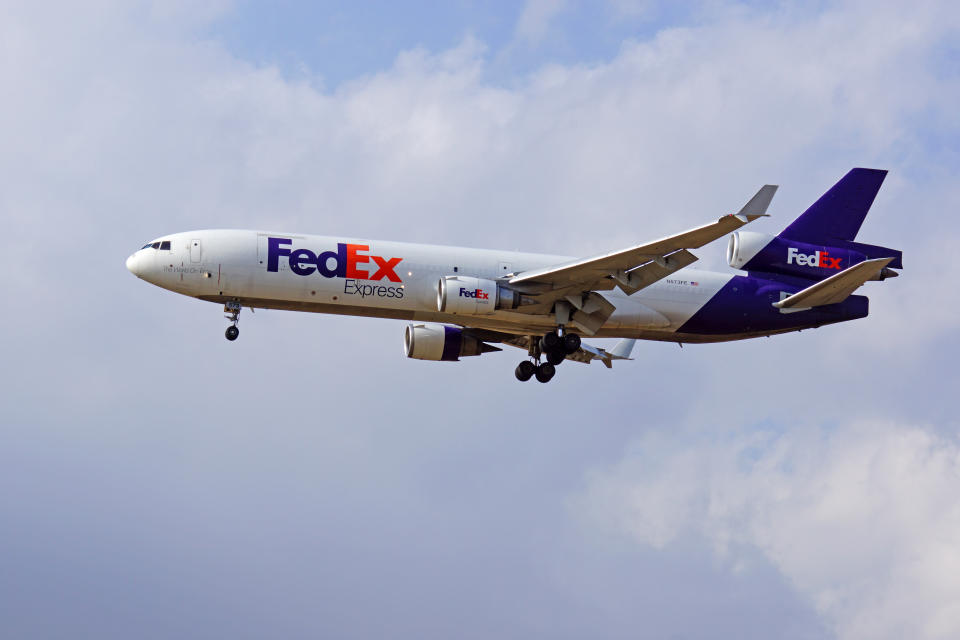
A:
{"points": [[550, 342], [525, 370], [571, 342], [545, 372], [232, 309], [555, 357]]}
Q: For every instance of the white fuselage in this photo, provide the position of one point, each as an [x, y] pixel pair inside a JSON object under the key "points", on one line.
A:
{"points": [[389, 280]]}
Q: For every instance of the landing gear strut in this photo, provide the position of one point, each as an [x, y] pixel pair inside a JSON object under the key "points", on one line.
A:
{"points": [[555, 347], [232, 308]]}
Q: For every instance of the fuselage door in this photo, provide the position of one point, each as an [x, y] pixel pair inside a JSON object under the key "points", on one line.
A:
{"points": [[195, 250]]}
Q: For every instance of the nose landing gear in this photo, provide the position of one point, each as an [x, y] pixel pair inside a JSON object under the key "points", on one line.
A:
{"points": [[233, 315], [555, 347]]}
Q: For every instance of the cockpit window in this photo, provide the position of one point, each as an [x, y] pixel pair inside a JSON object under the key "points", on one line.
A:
{"points": [[155, 245], [146, 246], [165, 245]]}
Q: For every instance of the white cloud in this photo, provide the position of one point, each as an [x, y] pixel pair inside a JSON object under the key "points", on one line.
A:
{"points": [[631, 8], [116, 130], [535, 19], [863, 520]]}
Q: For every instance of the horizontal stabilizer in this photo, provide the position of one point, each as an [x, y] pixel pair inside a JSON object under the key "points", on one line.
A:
{"points": [[836, 288]]}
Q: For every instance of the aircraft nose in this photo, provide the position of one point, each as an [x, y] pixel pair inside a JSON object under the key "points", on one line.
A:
{"points": [[132, 265]]}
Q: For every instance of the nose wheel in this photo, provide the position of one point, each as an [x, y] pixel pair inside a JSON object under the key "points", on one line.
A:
{"points": [[554, 347], [232, 310]]}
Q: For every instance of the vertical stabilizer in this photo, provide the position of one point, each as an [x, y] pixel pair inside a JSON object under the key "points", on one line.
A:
{"points": [[838, 214]]}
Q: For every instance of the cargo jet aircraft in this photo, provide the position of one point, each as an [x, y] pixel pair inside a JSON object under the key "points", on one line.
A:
{"points": [[461, 302]]}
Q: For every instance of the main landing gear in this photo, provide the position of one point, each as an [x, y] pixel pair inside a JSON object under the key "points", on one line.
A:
{"points": [[555, 347], [233, 315]]}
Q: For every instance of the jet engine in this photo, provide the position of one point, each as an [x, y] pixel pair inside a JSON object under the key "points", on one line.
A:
{"points": [[439, 342], [775, 254], [744, 245], [469, 296]]}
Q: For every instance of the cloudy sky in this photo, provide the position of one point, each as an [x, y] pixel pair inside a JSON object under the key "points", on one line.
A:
{"points": [[309, 481]]}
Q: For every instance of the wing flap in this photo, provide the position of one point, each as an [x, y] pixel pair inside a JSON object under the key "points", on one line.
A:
{"points": [[646, 274]]}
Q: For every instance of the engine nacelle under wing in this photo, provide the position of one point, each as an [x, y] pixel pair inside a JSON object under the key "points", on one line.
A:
{"points": [[439, 342], [469, 296]]}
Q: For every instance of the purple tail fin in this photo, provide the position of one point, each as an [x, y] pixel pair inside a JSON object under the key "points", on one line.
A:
{"points": [[838, 214]]}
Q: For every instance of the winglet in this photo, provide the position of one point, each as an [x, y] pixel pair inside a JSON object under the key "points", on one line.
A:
{"points": [[623, 349], [587, 353], [620, 351], [757, 206]]}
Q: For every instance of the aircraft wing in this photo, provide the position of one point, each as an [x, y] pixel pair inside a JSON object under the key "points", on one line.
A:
{"points": [[631, 269]]}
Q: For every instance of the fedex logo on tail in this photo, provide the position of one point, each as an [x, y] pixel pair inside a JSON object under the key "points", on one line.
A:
{"points": [[479, 294], [345, 262], [816, 259]]}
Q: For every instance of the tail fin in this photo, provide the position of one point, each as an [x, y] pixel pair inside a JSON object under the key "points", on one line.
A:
{"points": [[838, 214]]}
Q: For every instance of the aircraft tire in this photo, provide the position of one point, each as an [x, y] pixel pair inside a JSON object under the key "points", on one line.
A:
{"points": [[555, 357], [571, 342], [525, 370], [232, 333], [549, 342], [545, 372]]}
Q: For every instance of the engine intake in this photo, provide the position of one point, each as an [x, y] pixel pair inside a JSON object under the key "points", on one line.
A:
{"points": [[469, 296], [439, 342]]}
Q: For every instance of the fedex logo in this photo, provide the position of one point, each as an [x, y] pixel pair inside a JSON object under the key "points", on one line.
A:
{"points": [[815, 259], [479, 294], [343, 263]]}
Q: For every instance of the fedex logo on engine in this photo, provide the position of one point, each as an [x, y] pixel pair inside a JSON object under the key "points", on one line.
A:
{"points": [[343, 263], [816, 259], [479, 294]]}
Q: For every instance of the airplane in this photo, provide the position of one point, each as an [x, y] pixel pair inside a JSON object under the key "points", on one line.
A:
{"points": [[463, 302]]}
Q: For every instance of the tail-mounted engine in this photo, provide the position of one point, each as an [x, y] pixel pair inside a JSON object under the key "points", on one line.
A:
{"points": [[438, 342], [753, 251], [468, 296]]}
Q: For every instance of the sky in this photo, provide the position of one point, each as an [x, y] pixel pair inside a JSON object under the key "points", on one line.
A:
{"points": [[309, 481]]}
